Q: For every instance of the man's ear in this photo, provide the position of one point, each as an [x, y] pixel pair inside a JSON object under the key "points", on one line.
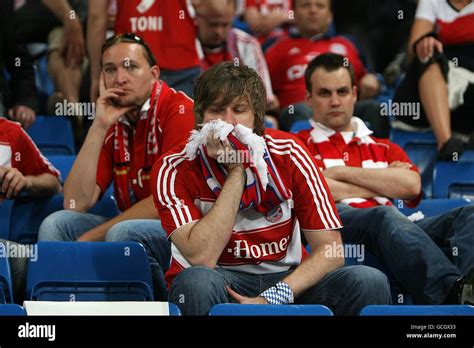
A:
{"points": [[354, 92], [309, 99], [155, 72]]}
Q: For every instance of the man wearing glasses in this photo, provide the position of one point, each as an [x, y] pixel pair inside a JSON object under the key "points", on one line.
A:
{"points": [[138, 117]]}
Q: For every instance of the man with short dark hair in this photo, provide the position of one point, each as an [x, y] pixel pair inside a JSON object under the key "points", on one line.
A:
{"points": [[364, 174], [234, 202], [138, 118]]}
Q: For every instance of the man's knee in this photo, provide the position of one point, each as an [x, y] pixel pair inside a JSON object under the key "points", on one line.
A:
{"points": [[122, 232], [55, 226], [385, 211], [370, 281], [198, 279]]}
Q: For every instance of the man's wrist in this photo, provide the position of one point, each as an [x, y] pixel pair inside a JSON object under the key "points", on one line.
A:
{"points": [[278, 294]]}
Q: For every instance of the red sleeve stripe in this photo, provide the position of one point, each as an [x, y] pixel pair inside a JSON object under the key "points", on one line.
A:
{"points": [[308, 169], [165, 189]]}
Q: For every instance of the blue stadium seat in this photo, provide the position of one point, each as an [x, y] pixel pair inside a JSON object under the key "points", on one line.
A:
{"points": [[53, 135], [453, 180], [269, 124], [174, 310], [234, 309], [28, 214], [6, 287], [12, 310], [63, 163], [432, 207], [424, 156], [89, 271], [440, 310], [299, 126], [421, 149], [5, 217], [403, 138]]}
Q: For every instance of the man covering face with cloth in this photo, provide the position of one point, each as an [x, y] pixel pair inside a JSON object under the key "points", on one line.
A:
{"points": [[234, 201]]}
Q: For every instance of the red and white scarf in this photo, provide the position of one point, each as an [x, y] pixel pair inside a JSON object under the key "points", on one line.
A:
{"points": [[372, 155], [264, 188], [122, 155]]}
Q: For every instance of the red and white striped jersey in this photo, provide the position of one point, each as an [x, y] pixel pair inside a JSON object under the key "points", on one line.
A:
{"points": [[17, 150], [357, 149], [166, 26], [260, 243], [453, 27]]}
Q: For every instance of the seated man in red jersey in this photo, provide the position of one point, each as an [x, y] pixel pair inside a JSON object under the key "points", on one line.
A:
{"points": [[288, 57], [235, 200], [23, 169], [138, 118], [364, 173], [220, 42]]}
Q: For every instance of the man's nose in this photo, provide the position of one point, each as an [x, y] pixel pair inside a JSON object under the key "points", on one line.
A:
{"points": [[335, 99], [121, 77], [229, 116]]}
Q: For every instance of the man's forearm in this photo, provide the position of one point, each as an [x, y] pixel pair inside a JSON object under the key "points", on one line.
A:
{"points": [[342, 190], [43, 185], [60, 8], [81, 182], [96, 29], [144, 209], [312, 270], [211, 234], [389, 182]]}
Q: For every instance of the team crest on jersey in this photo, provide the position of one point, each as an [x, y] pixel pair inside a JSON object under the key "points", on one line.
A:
{"points": [[274, 215]]}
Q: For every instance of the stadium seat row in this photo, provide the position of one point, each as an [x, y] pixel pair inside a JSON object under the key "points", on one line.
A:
{"points": [[229, 309]]}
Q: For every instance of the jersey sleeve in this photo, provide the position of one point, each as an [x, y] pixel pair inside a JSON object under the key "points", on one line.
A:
{"points": [[171, 194], [105, 165], [313, 203], [177, 124], [426, 10], [305, 137], [28, 159]]}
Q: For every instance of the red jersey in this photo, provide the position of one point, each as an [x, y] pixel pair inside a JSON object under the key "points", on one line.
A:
{"points": [[166, 26], [354, 149], [129, 152], [214, 57], [17, 150], [453, 27], [288, 58], [267, 6], [261, 242]]}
